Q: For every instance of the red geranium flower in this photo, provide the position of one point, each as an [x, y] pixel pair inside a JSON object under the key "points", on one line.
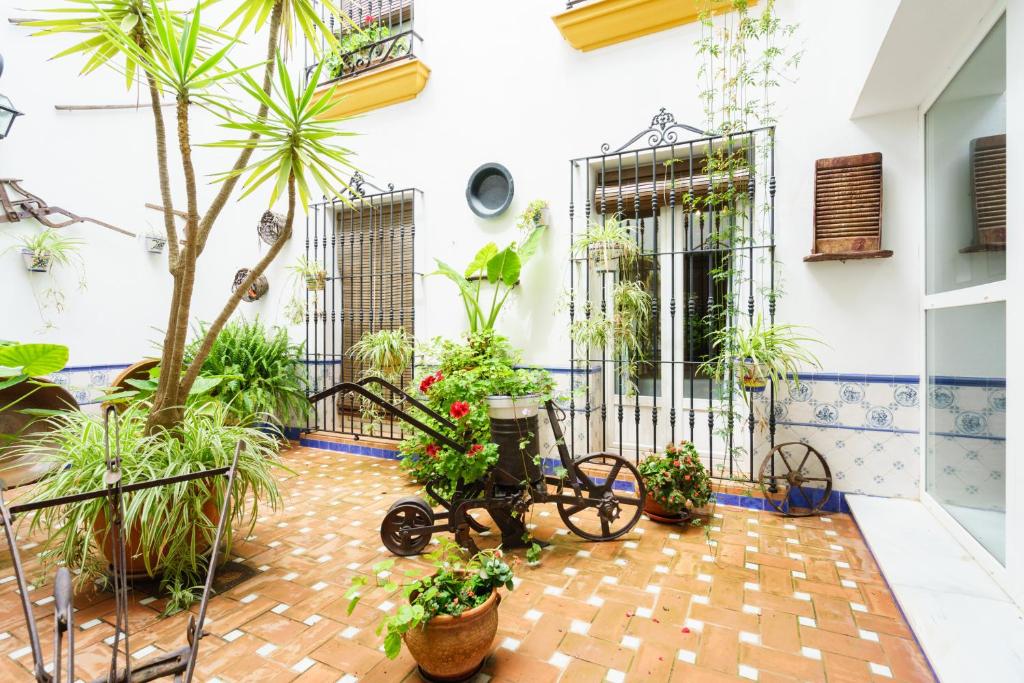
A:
{"points": [[474, 449], [676, 463], [433, 450], [429, 381], [368, 19], [459, 409], [686, 478]]}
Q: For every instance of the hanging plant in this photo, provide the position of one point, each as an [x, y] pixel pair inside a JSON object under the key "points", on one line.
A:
{"points": [[154, 243], [607, 243], [314, 274]]}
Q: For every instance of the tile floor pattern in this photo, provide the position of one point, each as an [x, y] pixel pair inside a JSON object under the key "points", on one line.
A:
{"points": [[765, 598]]}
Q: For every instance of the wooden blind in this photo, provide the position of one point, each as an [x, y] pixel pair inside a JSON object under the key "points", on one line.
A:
{"points": [[375, 261], [848, 208], [386, 12], [988, 186], [637, 183]]}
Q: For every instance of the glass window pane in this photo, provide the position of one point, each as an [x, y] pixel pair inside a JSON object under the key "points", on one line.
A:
{"points": [[966, 419], [965, 172]]}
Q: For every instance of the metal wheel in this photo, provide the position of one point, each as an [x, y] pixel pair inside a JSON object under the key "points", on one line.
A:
{"points": [[399, 532], [611, 501], [801, 471]]}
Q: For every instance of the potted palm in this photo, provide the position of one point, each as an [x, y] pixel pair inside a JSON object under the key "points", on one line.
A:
{"points": [[607, 243], [677, 483], [760, 353], [450, 615]]}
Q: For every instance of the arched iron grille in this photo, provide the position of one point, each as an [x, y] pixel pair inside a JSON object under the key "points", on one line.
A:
{"points": [[701, 211], [366, 249]]}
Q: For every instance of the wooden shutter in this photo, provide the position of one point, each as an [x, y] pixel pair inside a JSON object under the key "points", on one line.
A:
{"points": [[630, 188], [988, 187], [848, 208], [375, 259]]}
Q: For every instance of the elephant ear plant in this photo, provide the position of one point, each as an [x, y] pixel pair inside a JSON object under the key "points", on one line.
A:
{"points": [[286, 136], [167, 527], [500, 269]]}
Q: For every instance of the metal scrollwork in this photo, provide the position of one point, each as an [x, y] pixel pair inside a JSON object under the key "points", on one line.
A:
{"points": [[664, 130], [358, 183]]}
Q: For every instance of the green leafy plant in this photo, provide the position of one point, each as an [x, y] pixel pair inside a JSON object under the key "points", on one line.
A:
{"points": [[259, 371], [499, 268], [24, 364], [360, 46], [385, 353], [42, 251], [676, 479], [608, 241], [466, 374], [456, 585], [760, 353], [310, 272], [625, 326], [169, 522]]}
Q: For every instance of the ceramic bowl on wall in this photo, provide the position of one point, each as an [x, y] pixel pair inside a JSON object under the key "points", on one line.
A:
{"points": [[489, 190]]}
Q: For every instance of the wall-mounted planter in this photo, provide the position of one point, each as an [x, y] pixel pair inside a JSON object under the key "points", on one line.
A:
{"points": [[378, 88], [599, 23], [36, 263], [257, 289], [154, 244]]}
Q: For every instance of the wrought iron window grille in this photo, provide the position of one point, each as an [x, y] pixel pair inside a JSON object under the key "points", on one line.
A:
{"points": [[701, 210], [371, 34], [366, 246]]}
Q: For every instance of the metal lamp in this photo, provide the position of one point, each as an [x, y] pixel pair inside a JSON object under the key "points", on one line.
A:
{"points": [[7, 111]]}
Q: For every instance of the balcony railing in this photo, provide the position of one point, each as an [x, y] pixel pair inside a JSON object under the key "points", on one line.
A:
{"points": [[377, 33]]}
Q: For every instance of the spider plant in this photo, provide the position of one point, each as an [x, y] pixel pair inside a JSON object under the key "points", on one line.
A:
{"points": [[44, 249], [625, 326], [311, 272], [384, 353], [607, 240], [169, 522], [760, 353], [261, 371]]}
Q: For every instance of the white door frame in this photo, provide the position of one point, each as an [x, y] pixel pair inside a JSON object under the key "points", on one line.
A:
{"points": [[979, 294]]}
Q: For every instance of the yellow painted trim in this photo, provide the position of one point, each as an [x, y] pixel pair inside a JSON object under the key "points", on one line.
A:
{"points": [[600, 23], [378, 88]]}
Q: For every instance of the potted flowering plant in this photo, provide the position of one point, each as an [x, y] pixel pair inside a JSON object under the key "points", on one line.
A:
{"points": [[450, 615], [469, 379], [677, 483]]}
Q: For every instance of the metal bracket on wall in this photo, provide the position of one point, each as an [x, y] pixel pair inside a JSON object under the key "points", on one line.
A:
{"points": [[28, 205]]}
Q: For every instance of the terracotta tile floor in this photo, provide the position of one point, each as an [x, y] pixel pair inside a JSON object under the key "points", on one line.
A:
{"points": [[765, 599]]}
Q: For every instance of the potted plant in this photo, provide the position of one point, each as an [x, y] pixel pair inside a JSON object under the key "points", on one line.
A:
{"points": [[608, 243], [154, 242], [760, 353], [40, 251], [167, 528], [359, 47], [499, 268], [385, 354], [624, 325], [677, 483], [465, 380], [449, 617], [314, 274]]}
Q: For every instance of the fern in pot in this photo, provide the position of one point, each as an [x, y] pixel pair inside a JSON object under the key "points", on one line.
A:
{"points": [[168, 529]]}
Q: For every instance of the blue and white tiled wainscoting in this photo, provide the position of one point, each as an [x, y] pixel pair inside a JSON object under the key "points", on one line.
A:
{"points": [[868, 428], [88, 383]]}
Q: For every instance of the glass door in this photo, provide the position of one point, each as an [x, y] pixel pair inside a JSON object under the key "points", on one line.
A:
{"points": [[965, 296]]}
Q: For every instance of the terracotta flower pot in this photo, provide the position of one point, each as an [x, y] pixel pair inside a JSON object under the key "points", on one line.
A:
{"points": [[135, 561], [454, 648], [659, 514]]}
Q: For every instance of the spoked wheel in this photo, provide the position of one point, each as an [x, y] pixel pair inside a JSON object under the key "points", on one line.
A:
{"points": [[400, 529], [801, 472], [612, 498]]}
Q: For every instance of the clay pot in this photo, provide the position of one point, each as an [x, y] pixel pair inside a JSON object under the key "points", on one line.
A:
{"points": [[139, 371], [19, 469], [454, 648], [659, 514], [136, 563]]}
